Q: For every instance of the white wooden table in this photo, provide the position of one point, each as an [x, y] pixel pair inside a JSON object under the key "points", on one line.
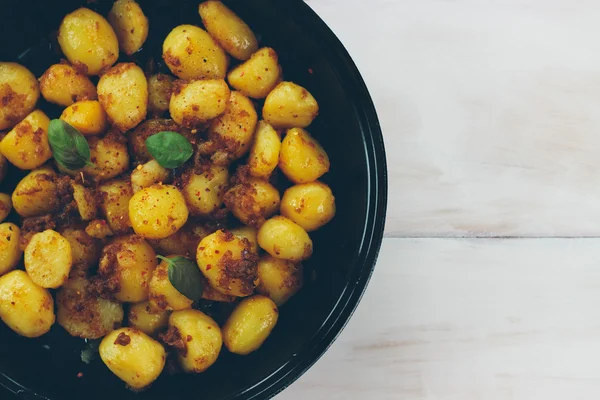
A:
{"points": [[488, 283]]}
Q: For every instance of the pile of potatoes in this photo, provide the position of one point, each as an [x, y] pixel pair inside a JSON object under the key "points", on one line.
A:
{"points": [[85, 242]]}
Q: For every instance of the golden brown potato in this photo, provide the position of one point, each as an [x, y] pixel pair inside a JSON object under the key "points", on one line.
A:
{"points": [[191, 53], [88, 117], [197, 337], [148, 174], [159, 93], [234, 129], [290, 105], [193, 103], [10, 252], [257, 76], [204, 193], [133, 356], [109, 156], [212, 294], [48, 259], [137, 137], [88, 41], [146, 318], [19, 93], [123, 93], [250, 233], [278, 279], [25, 307], [253, 201], [36, 193], [283, 238], [5, 206], [184, 241], [234, 36], [98, 229], [126, 267], [26, 145], [310, 205], [264, 153], [228, 263], [130, 25], [114, 203], [157, 211], [83, 314], [163, 295], [85, 250], [301, 158], [63, 85], [250, 324], [86, 203]]}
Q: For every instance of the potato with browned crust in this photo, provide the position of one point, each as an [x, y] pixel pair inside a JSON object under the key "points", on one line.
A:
{"points": [[109, 156], [114, 199], [290, 105], [5, 206], [163, 295], [278, 279], [258, 76], [146, 318], [26, 145], [160, 87], [310, 205], [36, 193], [204, 192], [130, 25], [10, 252], [264, 153], [196, 102], [301, 158], [252, 201], [283, 238], [19, 93], [63, 85]]}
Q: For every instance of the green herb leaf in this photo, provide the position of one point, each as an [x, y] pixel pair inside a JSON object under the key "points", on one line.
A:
{"points": [[185, 276], [69, 147], [89, 353], [170, 149]]}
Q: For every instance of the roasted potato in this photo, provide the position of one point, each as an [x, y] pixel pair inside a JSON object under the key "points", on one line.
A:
{"points": [[130, 25], [126, 267], [26, 145], [193, 103], [184, 241], [63, 85], [99, 229], [10, 252], [88, 117], [5, 206], [157, 211], [301, 158], [310, 205], [36, 193], [264, 153], [163, 295], [25, 307], [159, 93], [85, 250], [197, 337], [250, 233], [114, 203], [253, 201], [88, 41], [204, 193], [234, 36], [257, 76], [133, 356], [86, 203], [146, 318], [250, 324], [109, 156], [123, 93], [48, 259], [19, 93], [283, 238], [191, 53], [278, 279], [147, 175], [290, 105], [137, 137]]}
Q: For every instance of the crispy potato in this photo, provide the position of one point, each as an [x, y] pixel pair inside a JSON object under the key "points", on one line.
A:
{"points": [[63, 85], [88, 41], [197, 337], [98, 229], [250, 233], [85, 250], [109, 156], [283, 238], [290, 105], [191, 53], [147, 175], [234, 129], [5, 206], [36, 193], [204, 193], [123, 93], [301, 158], [133, 356], [88, 117], [252, 201], [184, 241], [83, 314], [250, 324], [26, 145], [193, 103], [137, 137], [310, 205], [157, 211], [115, 196], [126, 267], [159, 93], [19, 93], [257, 76], [10, 252], [130, 25], [146, 318], [48, 259], [212, 294], [163, 295], [86, 203], [228, 263], [25, 307], [278, 279], [234, 36], [264, 153]]}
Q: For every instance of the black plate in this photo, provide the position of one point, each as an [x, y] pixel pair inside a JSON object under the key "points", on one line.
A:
{"points": [[345, 250]]}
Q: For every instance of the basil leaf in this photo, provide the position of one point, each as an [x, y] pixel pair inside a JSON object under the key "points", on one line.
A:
{"points": [[170, 149], [185, 276], [69, 147]]}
